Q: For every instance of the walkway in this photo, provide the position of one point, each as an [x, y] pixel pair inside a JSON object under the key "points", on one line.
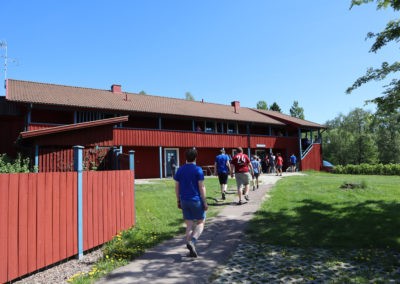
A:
{"points": [[168, 263]]}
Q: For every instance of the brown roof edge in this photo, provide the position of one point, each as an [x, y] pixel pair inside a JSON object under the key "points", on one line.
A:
{"points": [[75, 126], [290, 120]]}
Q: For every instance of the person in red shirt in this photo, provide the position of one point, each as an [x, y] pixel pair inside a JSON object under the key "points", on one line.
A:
{"points": [[279, 164], [242, 168]]}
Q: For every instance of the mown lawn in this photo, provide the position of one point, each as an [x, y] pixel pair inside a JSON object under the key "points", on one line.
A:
{"points": [[313, 211]]}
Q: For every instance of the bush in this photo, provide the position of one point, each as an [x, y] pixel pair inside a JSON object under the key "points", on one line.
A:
{"points": [[8, 165], [367, 169]]}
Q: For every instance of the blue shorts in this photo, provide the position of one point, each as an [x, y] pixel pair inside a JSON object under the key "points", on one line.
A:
{"points": [[193, 210]]}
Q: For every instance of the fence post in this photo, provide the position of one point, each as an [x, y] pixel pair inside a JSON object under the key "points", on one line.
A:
{"points": [[132, 168], [78, 167]]}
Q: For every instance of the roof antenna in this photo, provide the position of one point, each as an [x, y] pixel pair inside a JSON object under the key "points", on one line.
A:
{"points": [[3, 45]]}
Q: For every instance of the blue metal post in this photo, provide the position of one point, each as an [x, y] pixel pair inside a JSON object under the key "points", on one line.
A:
{"points": [[132, 168], [78, 167]]}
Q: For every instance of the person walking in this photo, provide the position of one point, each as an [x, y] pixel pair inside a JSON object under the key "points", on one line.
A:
{"points": [[293, 163], [279, 164], [191, 198], [222, 168], [257, 170], [242, 168], [172, 164]]}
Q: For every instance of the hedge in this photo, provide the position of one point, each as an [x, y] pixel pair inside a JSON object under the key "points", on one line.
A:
{"points": [[367, 169]]}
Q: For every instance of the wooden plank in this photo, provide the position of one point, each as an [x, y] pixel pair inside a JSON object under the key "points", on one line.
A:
{"points": [[69, 214], [113, 203], [48, 236], [56, 217], [108, 207], [118, 206], [41, 215], [89, 211], [85, 193], [75, 212], [13, 226], [4, 214], [32, 222], [23, 224], [102, 204], [96, 214], [63, 216]]}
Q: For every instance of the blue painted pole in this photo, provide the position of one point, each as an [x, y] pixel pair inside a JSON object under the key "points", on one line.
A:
{"points": [[78, 167], [132, 168]]}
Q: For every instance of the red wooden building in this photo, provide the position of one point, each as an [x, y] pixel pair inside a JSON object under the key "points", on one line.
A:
{"points": [[44, 121]]}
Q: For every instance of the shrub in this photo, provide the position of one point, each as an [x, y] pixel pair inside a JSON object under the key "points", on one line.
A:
{"points": [[8, 165], [367, 169]]}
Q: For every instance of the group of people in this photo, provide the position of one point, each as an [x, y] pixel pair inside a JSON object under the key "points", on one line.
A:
{"points": [[191, 192]]}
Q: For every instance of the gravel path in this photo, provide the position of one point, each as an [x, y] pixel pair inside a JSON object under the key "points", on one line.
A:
{"points": [[62, 272]]}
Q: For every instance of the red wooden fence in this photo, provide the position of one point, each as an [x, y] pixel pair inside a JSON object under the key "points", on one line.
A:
{"points": [[38, 216]]}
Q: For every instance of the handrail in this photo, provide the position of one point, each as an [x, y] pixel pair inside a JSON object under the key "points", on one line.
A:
{"points": [[305, 152]]}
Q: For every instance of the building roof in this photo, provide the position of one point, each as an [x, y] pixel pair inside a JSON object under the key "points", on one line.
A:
{"points": [[290, 119], [107, 100], [69, 127]]}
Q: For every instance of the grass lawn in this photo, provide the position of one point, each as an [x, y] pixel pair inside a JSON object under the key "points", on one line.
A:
{"points": [[313, 211]]}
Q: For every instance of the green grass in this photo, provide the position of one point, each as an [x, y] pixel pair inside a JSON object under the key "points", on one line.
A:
{"points": [[313, 211], [157, 219]]}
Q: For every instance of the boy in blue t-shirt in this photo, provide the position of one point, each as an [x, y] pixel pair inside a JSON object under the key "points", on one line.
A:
{"points": [[256, 170], [222, 167], [191, 198]]}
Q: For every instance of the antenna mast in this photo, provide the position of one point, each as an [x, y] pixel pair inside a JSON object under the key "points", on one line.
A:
{"points": [[3, 45]]}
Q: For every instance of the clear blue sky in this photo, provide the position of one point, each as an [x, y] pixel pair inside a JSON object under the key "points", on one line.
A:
{"points": [[218, 50]]}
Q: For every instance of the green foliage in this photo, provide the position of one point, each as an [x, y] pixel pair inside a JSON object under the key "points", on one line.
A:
{"points": [[350, 139], [275, 107], [390, 101], [189, 96], [296, 110], [262, 105], [8, 165], [367, 169]]}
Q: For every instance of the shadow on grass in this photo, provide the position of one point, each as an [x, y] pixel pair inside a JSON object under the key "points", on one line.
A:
{"points": [[370, 224]]}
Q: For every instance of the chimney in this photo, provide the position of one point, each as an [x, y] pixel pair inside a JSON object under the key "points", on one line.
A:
{"points": [[236, 105], [116, 89]]}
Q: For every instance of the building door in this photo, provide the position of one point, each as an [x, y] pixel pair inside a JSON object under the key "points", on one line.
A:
{"points": [[262, 154], [170, 154]]}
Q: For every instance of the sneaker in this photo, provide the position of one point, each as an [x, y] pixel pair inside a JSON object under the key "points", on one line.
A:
{"points": [[247, 197], [257, 186], [223, 196], [240, 202], [192, 250], [254, 188]]}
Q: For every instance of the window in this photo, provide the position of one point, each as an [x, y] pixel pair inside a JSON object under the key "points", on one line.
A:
{"points": [[210, 126], [231, 128]]}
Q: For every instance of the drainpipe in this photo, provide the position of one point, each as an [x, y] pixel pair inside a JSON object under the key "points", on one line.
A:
{"points": [[160, 158]]}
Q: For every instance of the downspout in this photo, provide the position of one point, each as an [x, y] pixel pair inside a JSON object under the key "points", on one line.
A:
{"points": [[160, 158]]}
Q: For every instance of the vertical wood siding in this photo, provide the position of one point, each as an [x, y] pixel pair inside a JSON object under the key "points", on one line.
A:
{"points": [[313, 160], [38, 216]]}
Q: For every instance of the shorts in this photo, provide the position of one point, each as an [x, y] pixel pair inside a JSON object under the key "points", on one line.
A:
{"points": [[278, 167], [193, 210], [223, 178], [256, 175], [242, 179]]}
